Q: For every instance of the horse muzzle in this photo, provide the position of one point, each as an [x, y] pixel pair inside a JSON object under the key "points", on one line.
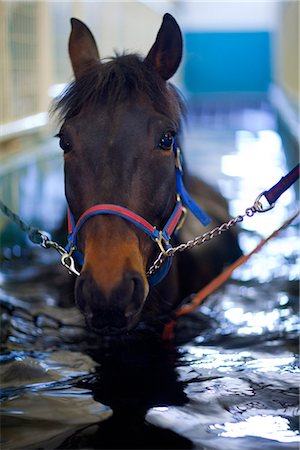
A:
{"points": [[112, 286], [114, 312]]}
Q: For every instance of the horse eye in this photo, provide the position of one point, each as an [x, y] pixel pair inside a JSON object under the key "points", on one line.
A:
{"points": [[167, 141], [64, 143]]}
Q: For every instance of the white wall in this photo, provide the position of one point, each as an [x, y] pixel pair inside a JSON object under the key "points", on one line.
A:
{"points": [[122, 25], [224, 15]]}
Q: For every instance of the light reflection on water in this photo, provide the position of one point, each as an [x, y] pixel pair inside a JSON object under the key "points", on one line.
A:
{"points": [[235, 394], [269, 427]]}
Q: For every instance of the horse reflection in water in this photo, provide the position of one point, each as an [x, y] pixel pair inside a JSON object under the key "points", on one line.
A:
{"points": [[121, 121], [131, 379]]}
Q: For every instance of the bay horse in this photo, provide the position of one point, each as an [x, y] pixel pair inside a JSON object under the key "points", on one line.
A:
{"points": [[121, 122]]}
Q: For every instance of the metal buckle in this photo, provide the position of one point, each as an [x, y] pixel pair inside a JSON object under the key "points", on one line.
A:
{"points": [[182, 219], [178, 160], [160, 241]]}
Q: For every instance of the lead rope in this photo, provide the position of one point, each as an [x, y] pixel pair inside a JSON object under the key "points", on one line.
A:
{"points": [[33, 234]]}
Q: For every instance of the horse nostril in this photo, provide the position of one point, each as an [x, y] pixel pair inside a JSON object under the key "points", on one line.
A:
{"points": [[81, 291], [88, 295], [134, 293]]}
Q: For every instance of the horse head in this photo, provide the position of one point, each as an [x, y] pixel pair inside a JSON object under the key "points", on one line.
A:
{"points": [[119, 120]]}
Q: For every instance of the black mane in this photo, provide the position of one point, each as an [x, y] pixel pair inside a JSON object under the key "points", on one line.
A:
{"points": [[116, 81]]}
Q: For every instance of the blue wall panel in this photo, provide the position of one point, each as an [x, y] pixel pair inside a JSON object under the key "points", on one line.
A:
{"points": [[227, 62]]}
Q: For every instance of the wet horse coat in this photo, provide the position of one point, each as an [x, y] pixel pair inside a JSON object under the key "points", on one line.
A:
{"points": [[120, 120]]}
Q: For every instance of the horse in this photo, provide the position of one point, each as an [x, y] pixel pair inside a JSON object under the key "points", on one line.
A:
{"points": [[126, 184]]}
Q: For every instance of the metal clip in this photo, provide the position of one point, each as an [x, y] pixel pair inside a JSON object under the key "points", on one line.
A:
{"points": [[66, 258], [160, 241], [68, 262], [258, 205]]}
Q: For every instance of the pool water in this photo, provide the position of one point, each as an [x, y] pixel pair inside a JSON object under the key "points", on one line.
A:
{"points": [[229, 380]]}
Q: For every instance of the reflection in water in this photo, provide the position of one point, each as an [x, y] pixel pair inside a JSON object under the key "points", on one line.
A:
{"points": [[269, 427], [132, 377], [230, 382], [40, 399]]}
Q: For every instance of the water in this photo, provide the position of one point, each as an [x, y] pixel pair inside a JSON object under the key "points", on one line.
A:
{"points": [[229, 381]]}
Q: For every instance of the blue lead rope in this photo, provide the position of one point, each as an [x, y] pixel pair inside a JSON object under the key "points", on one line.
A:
{"points": [[189, 202], [186, 199]]}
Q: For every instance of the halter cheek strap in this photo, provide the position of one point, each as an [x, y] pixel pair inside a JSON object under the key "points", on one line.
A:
{"points": [[161, 237]]}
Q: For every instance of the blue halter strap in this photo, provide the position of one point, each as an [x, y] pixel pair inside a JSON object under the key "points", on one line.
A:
{"points": [[161, 237]]}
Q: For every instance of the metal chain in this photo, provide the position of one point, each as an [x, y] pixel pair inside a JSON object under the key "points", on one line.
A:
{"points": [[199, 240]]}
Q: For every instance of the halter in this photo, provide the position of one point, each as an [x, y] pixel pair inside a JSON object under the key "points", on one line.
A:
{"points": [[161, 237]]}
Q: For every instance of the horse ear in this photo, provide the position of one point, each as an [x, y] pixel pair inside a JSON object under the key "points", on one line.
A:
{"points": [[82, 48], [166, 52]]}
